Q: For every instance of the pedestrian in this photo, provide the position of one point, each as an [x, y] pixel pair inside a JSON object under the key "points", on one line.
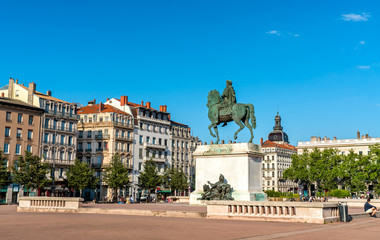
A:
{"points": [[370, 209]]}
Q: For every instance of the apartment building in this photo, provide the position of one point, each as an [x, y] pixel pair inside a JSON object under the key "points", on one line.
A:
{"points": [[359, 145], [103, 132], [19, 132], [151, 137], [277, 158], [58, 132], [183, 146]]}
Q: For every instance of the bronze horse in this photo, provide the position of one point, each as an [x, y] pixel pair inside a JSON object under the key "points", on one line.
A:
{"points": [[241, 113]]}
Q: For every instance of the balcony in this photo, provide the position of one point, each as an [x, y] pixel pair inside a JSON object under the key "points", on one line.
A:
{"points": [[96, 165], [62, 114], [154, 146], [120, 138], [155, 159], [102, 136], [99, 150], [166, 122], [89, 150], [58, 161]]}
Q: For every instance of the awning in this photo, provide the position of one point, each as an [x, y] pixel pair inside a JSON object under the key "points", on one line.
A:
{"points": [[164, 191]]}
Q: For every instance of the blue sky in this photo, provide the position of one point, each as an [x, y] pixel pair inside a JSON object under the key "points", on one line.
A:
{"points": [[317, 62]]}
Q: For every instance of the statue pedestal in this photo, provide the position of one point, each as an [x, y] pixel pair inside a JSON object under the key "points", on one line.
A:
{"points": [[240, 163]]}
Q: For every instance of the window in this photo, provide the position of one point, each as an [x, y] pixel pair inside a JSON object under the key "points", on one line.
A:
{"points": [[117, 133], [63, 123], [88, 146], [61, 173], [80, 134], [159, 141], [53, 138], [7, 131], [30, 134], [154, 140], [46, 137], [100, 119], [70, 140], [140, 164], [46, 123], [70, 155], [141, 139], [273, 175], [6, 148], [19, 118], [70, 127], [55, 123], [18, 149], [80, 146], [360, 153], [147, 139], [140, 153], [166, 142], [62, 139], [61, 155], [30, 120], [19, 133], [29, 148], [89, 134], [45, 153], [8, 117]]}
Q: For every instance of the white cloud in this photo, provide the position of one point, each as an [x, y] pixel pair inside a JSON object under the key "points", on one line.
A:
{"points": [[275, 32], [362, 42], [352, 17], [364, 67]]}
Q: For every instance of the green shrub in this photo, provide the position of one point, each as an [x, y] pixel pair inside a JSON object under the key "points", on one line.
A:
{"points": [[339, 193]]}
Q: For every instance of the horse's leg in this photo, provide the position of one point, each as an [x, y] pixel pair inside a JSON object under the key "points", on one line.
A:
{"points": [[241, 125], [209, 128], [246, 122], [217, 134]]}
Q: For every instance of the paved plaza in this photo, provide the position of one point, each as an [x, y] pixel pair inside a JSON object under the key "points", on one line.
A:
{"points": [[93, 226]]}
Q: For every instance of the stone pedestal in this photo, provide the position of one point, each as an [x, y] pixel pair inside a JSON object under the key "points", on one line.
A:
{"points": [[240, 163]]}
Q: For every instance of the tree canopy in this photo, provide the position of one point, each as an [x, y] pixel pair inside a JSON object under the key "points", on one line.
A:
{"points": [[149, 178], [81, 176], [5, 175], [30, 172], [116, 175], [176, 179], [329, 169]]}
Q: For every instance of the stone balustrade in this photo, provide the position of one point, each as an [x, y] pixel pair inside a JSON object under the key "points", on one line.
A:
{"points": [[315, 212], [27, 204]]}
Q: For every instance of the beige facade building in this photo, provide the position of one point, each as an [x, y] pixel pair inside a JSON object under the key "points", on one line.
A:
{"points": [[277, 158], [20, 131], [103, 132], [359, 145], [59, 127], [183, 146]]}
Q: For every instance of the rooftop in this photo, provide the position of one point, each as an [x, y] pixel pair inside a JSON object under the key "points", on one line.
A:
{"points": [[100, 108], [268, 143]]}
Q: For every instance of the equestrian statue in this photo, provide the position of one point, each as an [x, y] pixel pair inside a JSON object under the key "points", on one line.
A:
{"points": [[224, 109]]}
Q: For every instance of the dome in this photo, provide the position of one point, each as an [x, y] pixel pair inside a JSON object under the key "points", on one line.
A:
{"points": [[277, 135]]}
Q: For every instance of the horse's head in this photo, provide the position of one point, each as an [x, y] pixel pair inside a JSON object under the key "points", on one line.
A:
{"points": [[213, 98]]}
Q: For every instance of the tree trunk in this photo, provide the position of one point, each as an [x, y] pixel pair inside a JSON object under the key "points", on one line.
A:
{"points": [[81, 193]]}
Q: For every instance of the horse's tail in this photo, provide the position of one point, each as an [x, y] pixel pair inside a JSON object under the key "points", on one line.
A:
{"points": [[252, 114]]}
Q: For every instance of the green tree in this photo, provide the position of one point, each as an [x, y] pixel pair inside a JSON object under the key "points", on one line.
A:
{"points": [[81, 176], [116, 175], [30, 172], [176, 179], [149, 178], [5, 175]]}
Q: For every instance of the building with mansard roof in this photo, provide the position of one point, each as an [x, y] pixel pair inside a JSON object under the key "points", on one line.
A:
{"points": [[277, 158]]}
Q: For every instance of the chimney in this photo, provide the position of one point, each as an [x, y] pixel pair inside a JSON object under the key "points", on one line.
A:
{"points": [[358, 134], [11, 87], [2, 94], [31, 91], [205, 143], [123, 100], [366, 135], [92, 103], [362, 136], [107, 99], [142, 103], [222, 141], [229, 142], [169, 117], [101, 106], [319, 138], [147, 104], [165, 108], [313, 138], [261, 142], [48, 93], [334, 138], [16, 81], [161, 108], [211, 142]]}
